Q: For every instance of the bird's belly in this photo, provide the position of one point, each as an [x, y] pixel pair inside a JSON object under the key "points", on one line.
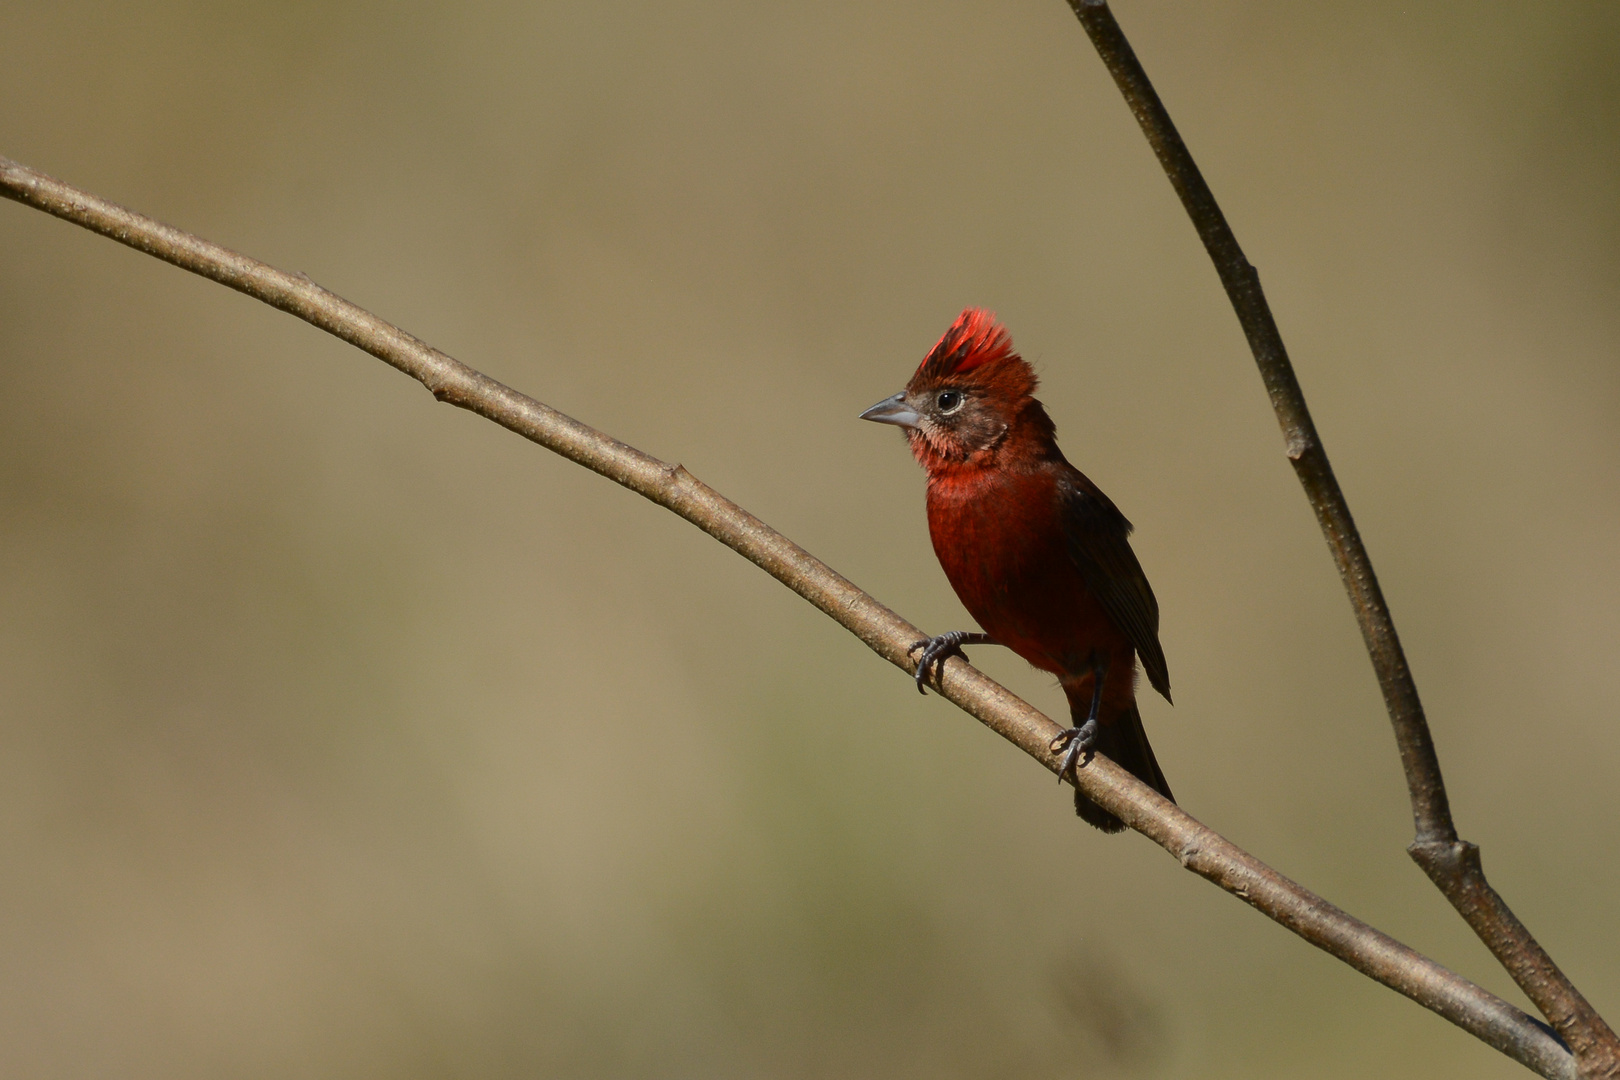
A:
{"points": [[1016, 578]]}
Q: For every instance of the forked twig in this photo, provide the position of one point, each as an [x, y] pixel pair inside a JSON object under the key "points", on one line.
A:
{"points": [[1195, 846], [1451, 863]]}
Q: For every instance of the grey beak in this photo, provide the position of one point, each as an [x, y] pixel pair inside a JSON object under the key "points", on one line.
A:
{"points": [[893, 410]]}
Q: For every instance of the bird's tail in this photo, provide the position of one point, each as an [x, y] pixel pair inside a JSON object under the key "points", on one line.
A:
{"points": [[1125, 742]]}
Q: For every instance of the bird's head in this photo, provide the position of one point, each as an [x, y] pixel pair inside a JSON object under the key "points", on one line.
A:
{"points": [[971, 400]]}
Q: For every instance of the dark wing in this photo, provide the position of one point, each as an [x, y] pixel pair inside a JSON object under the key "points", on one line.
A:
{"points": [[1099, 544]]}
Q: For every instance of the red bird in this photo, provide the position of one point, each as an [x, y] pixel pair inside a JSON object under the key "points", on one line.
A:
{"points": [[1037, 554]]}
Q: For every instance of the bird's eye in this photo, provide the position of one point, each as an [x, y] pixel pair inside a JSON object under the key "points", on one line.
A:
{"points": [[949, 401]]}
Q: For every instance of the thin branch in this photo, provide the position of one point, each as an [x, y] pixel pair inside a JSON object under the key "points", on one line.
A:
{"points": [[1195, 846], [1451, 863]]}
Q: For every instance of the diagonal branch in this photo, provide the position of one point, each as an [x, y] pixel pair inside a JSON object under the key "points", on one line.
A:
{"points": [[1451, 863], [1194, 845]]}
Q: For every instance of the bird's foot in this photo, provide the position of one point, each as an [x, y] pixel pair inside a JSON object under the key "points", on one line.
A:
{"points": [[1078, 742], [937, 650]]}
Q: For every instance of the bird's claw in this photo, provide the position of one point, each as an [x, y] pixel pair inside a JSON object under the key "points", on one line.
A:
{"points": [[1078, 742], [935, 651]]}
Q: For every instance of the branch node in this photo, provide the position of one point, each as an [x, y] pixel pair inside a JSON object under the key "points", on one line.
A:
{"points": [[1444, 856]]}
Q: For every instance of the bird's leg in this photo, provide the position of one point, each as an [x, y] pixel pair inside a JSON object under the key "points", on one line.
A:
{"points": [[936, 650], [1078, 741]]}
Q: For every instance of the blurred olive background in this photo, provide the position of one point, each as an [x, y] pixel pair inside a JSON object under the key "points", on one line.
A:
{"points": [[346, 735]]}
